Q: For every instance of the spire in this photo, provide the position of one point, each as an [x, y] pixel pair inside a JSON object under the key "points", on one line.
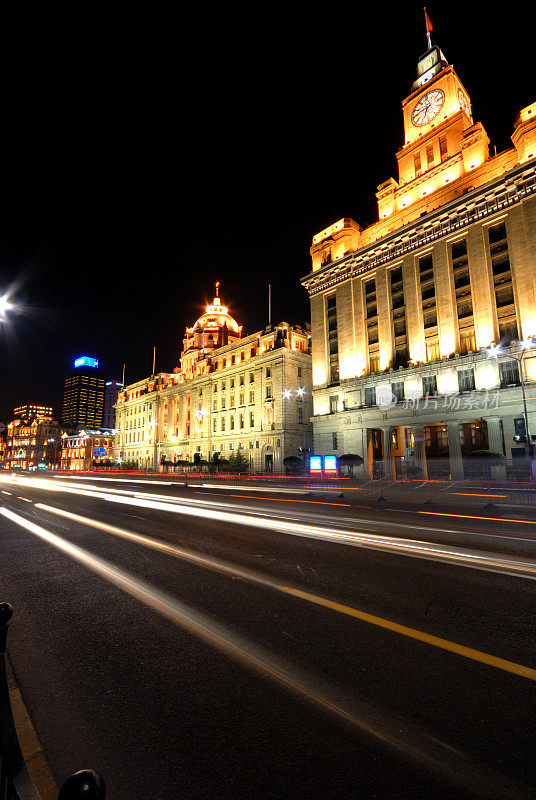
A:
{"points": [[217, 288]]}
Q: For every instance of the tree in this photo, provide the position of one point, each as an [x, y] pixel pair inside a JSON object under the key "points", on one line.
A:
{"points": [[350, 460], [481, 461], [293, 465], [237, 462], [491, 456]]}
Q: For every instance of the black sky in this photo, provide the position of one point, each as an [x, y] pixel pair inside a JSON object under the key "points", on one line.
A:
{"points": [[149, 152]]}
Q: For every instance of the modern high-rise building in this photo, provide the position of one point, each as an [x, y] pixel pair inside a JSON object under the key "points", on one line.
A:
{"points": [[111, 390], [423, 322], [231, 394], [83, 396]]}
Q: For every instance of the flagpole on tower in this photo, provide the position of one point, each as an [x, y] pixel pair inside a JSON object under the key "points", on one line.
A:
{"points": [[429, 28]]}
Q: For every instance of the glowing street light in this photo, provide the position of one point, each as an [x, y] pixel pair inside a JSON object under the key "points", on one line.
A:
{"points": [[287, 394], [5, 306], [301, 391], [494, 350]]}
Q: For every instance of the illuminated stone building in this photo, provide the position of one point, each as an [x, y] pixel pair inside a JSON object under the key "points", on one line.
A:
{"points": [[231, 394], [30, 441], [402, 311], [87, 449]]}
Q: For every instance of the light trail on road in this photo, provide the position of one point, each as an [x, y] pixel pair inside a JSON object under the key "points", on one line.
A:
{"points": [[394, 732], [212, 510], [254, 577]]}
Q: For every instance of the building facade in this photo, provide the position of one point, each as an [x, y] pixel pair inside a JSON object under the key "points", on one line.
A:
{"points": [[31, 442], [231, 394], [83, 395], [87, 449], [29, 411], [111, 391], [404, 311]]}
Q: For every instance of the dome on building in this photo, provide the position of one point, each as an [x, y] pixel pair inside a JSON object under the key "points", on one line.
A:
{"points": [[215, 328], [215, 317]]}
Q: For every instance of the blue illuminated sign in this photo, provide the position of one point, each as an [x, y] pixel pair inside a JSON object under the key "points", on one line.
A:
{"points": [[315, 463], [330, 463], [86, 361], [99, 452]]}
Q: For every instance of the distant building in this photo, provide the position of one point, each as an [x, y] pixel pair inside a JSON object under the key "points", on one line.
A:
{"points": [[83, 396], [232, 394], [86, 449], [29, 442], [111, 390], [29, 411]]}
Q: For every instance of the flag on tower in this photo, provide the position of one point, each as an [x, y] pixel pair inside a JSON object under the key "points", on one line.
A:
{"points": [[429, 26]]}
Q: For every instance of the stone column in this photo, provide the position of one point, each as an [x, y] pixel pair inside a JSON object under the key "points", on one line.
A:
{"points": [[495, 442], [368, 454], [170, 417], [455, 450], [420, 449], [387, 451]]}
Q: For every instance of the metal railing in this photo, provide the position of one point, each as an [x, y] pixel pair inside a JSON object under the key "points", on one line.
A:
{"points": [[15, 780]]}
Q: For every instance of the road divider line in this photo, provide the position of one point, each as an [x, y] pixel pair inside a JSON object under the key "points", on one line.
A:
{"points": [[472, 516], [475, 494], [286, 500], [413, 633], [395, 732], [254, 577]]}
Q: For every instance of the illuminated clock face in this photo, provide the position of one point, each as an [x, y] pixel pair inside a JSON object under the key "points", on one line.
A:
{"points": [[464, 105], [428, 107]]}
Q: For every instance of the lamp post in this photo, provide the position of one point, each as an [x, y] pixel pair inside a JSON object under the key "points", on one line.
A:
{"points": [[152, 427], [200, 415], [53, 441], [494, 351], [300, 394]]}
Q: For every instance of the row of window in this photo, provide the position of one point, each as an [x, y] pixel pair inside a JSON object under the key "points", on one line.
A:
{"points": [[508, 375], [504, 304]]}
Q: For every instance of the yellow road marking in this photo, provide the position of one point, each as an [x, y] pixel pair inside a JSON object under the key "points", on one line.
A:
{"points": [[412, 633], [474, 494], [470, 516], [285, 500]]}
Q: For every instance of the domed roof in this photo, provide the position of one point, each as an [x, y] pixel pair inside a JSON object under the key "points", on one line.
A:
{"points": [[215, 317]]}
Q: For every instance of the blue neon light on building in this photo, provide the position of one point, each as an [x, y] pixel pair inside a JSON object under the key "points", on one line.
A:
{"points": [[86, 361]]}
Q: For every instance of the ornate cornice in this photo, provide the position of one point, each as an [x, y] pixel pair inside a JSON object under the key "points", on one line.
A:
{"points": [[508, 190]]}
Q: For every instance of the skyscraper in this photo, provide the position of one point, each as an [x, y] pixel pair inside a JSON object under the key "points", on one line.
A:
{"points": [[110, 399], [83, 396]]}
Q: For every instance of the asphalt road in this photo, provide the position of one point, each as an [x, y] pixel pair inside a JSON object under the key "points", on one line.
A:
{"points": [[207, 643]]}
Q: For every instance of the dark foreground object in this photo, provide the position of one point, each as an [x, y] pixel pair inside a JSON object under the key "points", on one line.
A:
{"points": [[15, 781]]}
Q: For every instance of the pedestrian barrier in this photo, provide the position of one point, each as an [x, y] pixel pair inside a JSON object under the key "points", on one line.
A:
{"points": [[15, 780]]}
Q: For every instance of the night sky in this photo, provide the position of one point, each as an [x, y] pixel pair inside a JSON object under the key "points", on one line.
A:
{"points": [[148, 153]]}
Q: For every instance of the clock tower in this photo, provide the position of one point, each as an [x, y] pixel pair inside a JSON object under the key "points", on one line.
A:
{"points": [[437, 121]]}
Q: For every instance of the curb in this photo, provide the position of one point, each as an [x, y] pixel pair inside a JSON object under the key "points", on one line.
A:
{"points": [[30, 745]]}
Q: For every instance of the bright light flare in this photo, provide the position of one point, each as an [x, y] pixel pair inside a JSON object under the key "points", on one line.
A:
{"points": [[494, 351], [5, 306]]}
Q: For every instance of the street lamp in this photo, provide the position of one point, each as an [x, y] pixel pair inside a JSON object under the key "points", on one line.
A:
{"points": [[5, 306], [524, 346]]}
